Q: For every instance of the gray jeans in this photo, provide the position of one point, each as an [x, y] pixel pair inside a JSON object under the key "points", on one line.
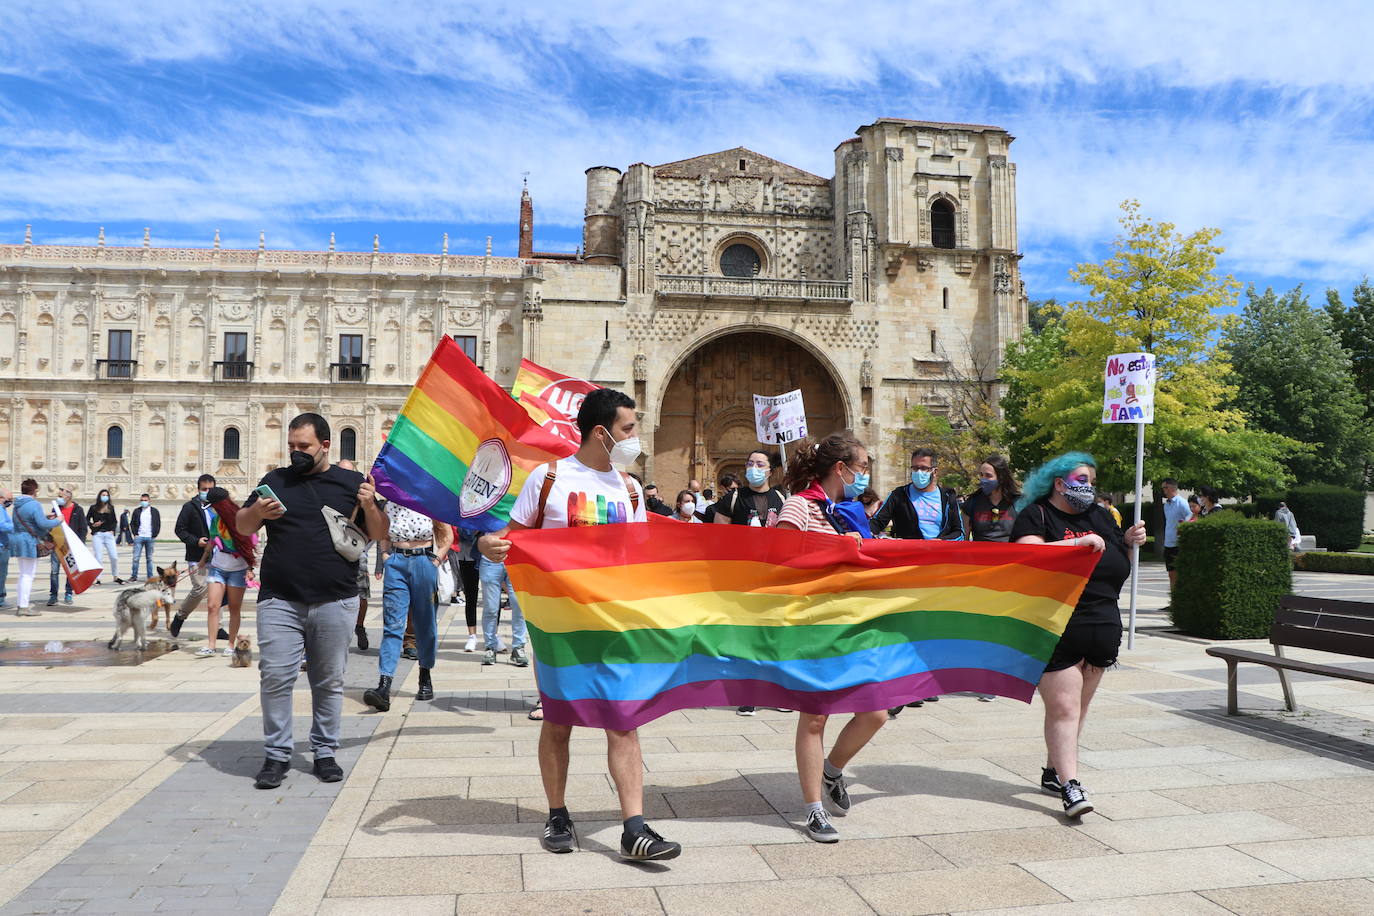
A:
{"points": [[200, 585], [289, 632]]}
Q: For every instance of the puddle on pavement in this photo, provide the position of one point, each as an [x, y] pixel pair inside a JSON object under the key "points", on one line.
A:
{"points": [[84, 652]]}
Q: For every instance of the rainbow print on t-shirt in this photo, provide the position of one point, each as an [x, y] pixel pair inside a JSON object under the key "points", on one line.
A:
{"points": [[584, 512]]}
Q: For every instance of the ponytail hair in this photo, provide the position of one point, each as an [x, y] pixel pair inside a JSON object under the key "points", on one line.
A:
{"points": [[1041, 480], [227, 528], [812, 460]]}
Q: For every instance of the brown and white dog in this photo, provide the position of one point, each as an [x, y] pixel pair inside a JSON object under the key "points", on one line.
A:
{"points": [[168, 578], [131, 603]]}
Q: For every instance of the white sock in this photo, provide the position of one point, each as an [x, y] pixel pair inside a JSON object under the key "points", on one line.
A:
{"points": [[812, 808], [831, 770]]}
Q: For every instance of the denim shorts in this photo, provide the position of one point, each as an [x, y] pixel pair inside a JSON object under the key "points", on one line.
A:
{"points": [[233, 578]]}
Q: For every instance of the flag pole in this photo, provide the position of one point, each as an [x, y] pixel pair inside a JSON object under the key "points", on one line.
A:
{"points": [[1135, 551]]}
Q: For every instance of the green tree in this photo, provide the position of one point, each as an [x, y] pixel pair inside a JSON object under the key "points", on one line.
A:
{"points": [[1036, 356], [1159, 291], [1293, 377], [1355, 325]]}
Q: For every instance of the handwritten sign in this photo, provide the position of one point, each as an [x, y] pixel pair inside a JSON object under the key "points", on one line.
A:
{"points": [[781, 418], [1129, 395]]}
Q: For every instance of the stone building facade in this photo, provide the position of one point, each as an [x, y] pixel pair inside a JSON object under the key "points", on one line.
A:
{"points": [[700, 283]]}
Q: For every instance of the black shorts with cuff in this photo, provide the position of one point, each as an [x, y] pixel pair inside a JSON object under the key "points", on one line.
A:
{"points": [[1095, 642]]}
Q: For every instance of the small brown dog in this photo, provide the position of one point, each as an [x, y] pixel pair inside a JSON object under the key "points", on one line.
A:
{"points": [[243, 654], [165, 578]]}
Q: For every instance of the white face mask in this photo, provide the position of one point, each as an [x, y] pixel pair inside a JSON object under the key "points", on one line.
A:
{"points": [[625, 452]]}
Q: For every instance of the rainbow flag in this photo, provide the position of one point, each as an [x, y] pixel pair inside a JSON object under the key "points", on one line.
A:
{"points": [[629, 622], [461, 448]]}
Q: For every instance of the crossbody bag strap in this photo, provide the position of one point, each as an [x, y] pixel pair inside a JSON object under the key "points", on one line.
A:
{"points": [[634, 494], [544, 489]]}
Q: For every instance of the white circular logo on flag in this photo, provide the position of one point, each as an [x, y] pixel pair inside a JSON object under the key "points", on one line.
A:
{"points": [[487, 481]]}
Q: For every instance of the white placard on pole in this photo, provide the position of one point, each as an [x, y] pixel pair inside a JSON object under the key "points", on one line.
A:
{"points": [[1129, 397], [781, 418]]}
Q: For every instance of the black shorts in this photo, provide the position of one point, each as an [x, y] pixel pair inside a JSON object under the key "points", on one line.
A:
{"points": [[1170, 557], [1096, 642]]}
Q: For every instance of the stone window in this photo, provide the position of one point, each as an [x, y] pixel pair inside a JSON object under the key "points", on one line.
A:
{"points": [[469, 344], [114, 442], [740, 260], [933, 342], [348, 444], [942, 224], [231, 444]]}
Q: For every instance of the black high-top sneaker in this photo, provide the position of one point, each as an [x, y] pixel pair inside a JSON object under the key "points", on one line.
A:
{"points": [[379, 697]]}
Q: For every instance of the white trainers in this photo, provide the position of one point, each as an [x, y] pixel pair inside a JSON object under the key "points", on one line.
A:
{"points": [[205, 652], [227, 652], [471, 644]]}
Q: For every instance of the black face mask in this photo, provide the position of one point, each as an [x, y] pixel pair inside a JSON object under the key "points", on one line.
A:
{"points": [[302, 462]]}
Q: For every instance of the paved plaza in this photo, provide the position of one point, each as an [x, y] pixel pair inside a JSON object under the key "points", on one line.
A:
{"points": [[129, 789]]}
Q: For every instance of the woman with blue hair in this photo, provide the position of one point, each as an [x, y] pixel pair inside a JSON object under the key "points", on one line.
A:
{"points": [[1058, 506]]}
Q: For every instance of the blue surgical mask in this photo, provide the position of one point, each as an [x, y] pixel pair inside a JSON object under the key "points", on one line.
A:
{"points": [[756, 476], [920, 479], [852, 490], [144, 503], [987, 484], [104, 498]]}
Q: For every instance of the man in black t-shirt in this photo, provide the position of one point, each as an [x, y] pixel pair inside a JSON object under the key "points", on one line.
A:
{"points": [[308, 600]]}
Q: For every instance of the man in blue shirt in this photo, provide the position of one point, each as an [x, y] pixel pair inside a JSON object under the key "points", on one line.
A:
{"points": [[921, 509], [1175, 511]]}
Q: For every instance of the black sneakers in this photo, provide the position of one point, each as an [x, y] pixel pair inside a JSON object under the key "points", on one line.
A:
{"points": [[379, 697], [175, 626], [819, 828], [835, 794], [559, 835], [1049, 781], [328, 770], [894, 711], [647, 845], [360, 631], [1076, 802], [745, 711], [271, 774]]}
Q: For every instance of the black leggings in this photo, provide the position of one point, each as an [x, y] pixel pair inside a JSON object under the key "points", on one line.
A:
{"points": [[467, 574]]}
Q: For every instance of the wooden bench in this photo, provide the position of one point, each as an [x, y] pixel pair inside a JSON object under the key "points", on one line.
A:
{"points": [[1324, 624]]}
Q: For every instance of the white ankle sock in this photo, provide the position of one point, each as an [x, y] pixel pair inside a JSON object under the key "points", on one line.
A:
{"points": [[813, 808]]}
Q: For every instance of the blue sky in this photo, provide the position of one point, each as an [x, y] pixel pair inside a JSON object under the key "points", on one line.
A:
{"points": [[409, 120]]}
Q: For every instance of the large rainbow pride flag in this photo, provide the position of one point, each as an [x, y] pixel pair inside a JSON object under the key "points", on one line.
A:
{"points": [[629, 622], [461, 448]]}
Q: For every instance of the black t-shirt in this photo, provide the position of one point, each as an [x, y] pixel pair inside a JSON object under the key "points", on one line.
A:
{"points": [[744, 502], [300, 562], [1100, 596], [989, 522]]}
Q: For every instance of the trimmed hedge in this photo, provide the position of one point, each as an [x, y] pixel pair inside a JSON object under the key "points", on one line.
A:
{"points": [[1232, 571], [1361, 564], [1334, 515]]}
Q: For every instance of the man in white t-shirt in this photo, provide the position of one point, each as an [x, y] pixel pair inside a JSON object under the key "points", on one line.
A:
{"points": [[587, 489]]}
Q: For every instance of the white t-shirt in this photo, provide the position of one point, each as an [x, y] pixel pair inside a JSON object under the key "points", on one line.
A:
{"points": [[145, 523], [229, 562], [594, 498]]}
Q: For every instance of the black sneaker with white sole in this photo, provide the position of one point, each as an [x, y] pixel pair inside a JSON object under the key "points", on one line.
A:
{"points": [[746, 710], [819, 828], [1076, 802], [1049, 781], [559, 835], [647, 845], [835, 794]]}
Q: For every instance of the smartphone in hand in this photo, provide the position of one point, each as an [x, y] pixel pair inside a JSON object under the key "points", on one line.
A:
{"points": [[265, 492]]}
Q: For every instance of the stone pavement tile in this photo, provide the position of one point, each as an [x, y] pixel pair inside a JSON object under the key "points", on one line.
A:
{"points": [[772, 741], [595, 747], [598, 866], [16, 736], [717, 804], [76, 790], [1357, 789], [694, 833], [1121, 806], [423, 876], [625, 901], [1328, 820], [945, 890], [417, 787], [432, 905], [735, 725], [27, 722], [1292, 770], [516, 786], [447, 840], [1143, 873], [12, 787], [1154, 757], [1188, 904], [692, 744], [851, 857], [698, 780], [758, 898], [534, 809], [424, 812], [1026, 844], [1186, 831], [1145, 779], [1240, 797], [39, 817], [715, 760], [163, 736], [1319, 859], [993, 748], [489, 766], [1099, 740], [1313, 898], [409, 751]]}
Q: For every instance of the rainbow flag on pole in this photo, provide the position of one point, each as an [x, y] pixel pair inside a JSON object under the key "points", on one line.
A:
{"points": [[629, 622], [461, 448]]}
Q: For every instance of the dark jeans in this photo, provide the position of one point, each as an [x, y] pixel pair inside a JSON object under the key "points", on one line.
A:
{"points": [[4, 570]]}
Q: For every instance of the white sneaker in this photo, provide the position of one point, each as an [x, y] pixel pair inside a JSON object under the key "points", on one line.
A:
{"points": [[471, 644], [227, 652], [205, 652]]}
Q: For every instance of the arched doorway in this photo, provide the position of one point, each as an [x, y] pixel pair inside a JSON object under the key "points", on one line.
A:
{"points": [[706, 418]]}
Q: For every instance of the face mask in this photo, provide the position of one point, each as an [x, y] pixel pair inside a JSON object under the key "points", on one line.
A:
{"points": [[204, 496], [302, 462], [104, 499], [624, 452], [1080, 497], [920, 479], [687, 508], [144, 503], [755, 476], [987, 486], [859, 484]]}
